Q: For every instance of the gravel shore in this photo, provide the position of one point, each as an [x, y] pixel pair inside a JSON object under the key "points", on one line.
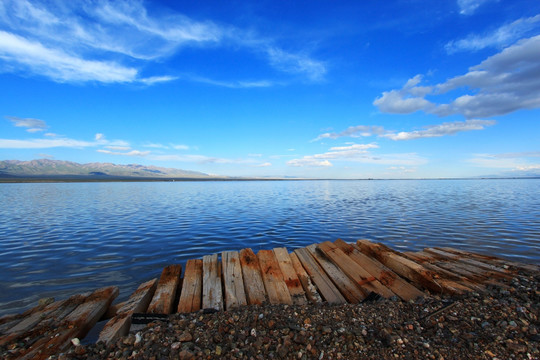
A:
{"points": [[501, 323]]}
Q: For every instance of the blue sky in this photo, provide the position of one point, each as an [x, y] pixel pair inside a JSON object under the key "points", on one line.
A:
{"points": [[349, 89]]}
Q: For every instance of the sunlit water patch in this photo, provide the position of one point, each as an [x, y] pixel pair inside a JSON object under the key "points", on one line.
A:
{"points": [[60, 239]]}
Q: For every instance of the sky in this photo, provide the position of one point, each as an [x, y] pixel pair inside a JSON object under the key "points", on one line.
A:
{"points": [[315, 89]]}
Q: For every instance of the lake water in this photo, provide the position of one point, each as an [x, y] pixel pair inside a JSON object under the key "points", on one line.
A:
{"points": [[60, 239]]}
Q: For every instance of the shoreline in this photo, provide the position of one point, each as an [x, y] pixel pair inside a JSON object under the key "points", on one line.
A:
{"points": [[501, 323]]}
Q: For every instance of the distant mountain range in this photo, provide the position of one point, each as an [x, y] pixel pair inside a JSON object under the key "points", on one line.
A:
{"points": [[45, 168]]}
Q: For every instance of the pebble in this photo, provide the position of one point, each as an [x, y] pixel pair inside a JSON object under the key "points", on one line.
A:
{"points": [[499, 324]]}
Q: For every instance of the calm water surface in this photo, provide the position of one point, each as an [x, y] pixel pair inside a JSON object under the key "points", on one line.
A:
{"points": [[61, 239]]}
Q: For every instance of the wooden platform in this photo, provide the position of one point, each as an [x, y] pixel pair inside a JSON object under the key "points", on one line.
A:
{"points": [[336, 273]]}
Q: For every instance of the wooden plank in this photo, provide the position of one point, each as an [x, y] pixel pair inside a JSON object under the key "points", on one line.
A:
{"points": [[165, 294], [354, 271], [75, 325], [309, 288], [326, 287], [494, 260], [346, 286], [290, 277], [253, 282], [385, 275], [414, 272], [449, 270], [137, 303], [275, 286], [191, 295], [446, 270], [212, 293], [233, 281], [493, 270], [37, 323]]}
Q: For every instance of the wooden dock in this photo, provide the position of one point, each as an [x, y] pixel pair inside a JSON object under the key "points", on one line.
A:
{"points": [[333, 272]]}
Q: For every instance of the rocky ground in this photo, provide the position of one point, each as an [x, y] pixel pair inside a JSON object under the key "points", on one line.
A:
{"points": [[502, 323]]}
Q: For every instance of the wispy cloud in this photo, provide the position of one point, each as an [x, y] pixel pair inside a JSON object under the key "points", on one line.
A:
{"points": [[448, 128], [468, 7], [499, 38], [266, 164], [128, 153], [113, 42], [354, 132], [360, 153], [505, 82], [32, 125], [43, 143], [509, 161]]}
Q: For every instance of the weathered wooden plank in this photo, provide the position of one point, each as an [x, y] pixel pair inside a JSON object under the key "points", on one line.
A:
{"points": [[165, 294], [449, 270], [253, 282], [191, 295], [233, 281], [75, 325], [445, 271], [414, 272], [212, 293], [309, 287], [346, 286], [354, 271], [494, 260], [290, 277], [493, 270], [137, 303], [385, 275], [326, 287], [37, 323], [275, 286]]}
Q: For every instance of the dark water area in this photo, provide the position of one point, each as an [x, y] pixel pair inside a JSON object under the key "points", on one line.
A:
{"points": [[64, 238]]}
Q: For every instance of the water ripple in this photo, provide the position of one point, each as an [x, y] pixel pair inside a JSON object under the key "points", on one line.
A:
{"points": [[58, 239]]}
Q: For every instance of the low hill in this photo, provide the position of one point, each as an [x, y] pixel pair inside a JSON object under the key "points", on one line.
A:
{"points": [[44, 168]]}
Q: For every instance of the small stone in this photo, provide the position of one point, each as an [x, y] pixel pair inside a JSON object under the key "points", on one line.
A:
{"points": [[185, 355], [138, 338], [75, 341], [185, 336], [253, 332], [425, 345], [218, 350]]}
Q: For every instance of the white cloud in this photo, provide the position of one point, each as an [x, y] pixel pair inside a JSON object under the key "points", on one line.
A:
{"points": [[80, 41], [448, 128], [156, 146], [501, 37], [43, 143], [266, 164], [59, 65], [357, 153], [309, 161], [180, 147], [118, 148], [99, 137], [201, 159], [231, 84], [505, 82], [468, 7], [32, 125], [510, 161], [354, 132], [129, 153], [296, 63]]}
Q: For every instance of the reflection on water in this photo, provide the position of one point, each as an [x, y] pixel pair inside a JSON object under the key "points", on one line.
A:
{"points": [[59, 239]]}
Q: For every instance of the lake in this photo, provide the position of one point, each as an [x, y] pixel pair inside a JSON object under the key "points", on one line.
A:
{"points": [[58, 239]]}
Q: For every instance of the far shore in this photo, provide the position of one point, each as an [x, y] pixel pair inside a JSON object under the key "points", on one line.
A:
{"points": [[94, 179]]}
